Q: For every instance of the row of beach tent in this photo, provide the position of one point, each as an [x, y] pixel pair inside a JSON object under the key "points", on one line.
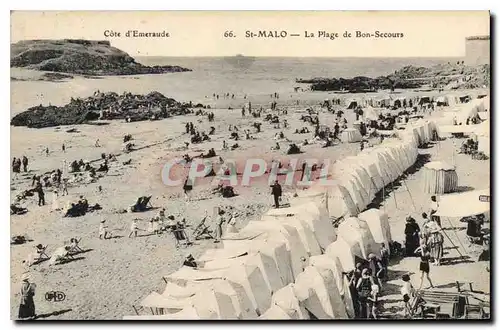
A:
{"points": [[290, 264]]}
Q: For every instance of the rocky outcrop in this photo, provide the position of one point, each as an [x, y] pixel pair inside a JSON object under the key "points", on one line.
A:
{"points": [[439, 76], [87, 57], [102, 105]]}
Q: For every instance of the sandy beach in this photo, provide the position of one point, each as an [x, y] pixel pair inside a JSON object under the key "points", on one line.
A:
{"points": [[112, 275]]}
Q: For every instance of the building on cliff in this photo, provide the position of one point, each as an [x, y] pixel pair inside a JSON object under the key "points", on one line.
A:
{"points": [[477, 50]]}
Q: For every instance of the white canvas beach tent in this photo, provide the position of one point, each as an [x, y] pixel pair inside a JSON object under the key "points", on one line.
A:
{"points": [[215, 303], [314, 215], [249, 278], [483, 145], [340, 202], [165, 304], [353, 103], [186, 314], [334, 265], [317, 290], [369, 164], [265, 263], [285, 299], [354, 231], [371, 113], [350, 135], [305, 233], [345, 252], [378, 223], [275, 313], [270, 247], [275, 230], [465, 204]]}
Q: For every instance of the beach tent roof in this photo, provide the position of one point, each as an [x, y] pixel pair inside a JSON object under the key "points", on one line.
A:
{"points": [[250, 279], [285, 298], [214, 303], [353, 230], [463, 204], [317, 290], [275, 313], [378, 223], [345, 252], [190, 274], [439, 166], [156, 300], [314, 215], [305, 233], [283, 232], [188, 313], [216, 254], [332, 263]]}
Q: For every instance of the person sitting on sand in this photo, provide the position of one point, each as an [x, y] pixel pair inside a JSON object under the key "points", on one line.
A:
{"points": [[103, 230], [190, 262], [74, 248]]}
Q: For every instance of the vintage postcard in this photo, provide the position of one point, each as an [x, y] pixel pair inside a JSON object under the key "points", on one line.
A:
{"points": [[250, 165]]}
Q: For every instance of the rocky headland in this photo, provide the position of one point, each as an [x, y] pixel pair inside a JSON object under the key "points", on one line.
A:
{"points": [[83, 57]]}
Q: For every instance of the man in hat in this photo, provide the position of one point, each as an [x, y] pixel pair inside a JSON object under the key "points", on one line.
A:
{"points": [[27, 303]]}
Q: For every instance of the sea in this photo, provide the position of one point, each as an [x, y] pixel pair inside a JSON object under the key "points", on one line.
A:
{"points": [[239, 75]]}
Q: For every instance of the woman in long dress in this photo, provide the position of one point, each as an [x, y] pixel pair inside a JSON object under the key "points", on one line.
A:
{"points": [[27, 304], [436, 241], [55, 202]]}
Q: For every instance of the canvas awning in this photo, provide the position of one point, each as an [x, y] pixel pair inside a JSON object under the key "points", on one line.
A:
{"points": [[463, 204]]}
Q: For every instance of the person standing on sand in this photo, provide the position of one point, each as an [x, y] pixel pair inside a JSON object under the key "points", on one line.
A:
{"points": [[41, 194], [407, 292], [55, 202], [133, 228], [103, 230], [25, 164], [97, 144], [27, 303], [187, 187], [424, 265], [276, 191], [219, 222], [47, 151], [64, 187], [63, 147], [434, 207], [412, 231]]}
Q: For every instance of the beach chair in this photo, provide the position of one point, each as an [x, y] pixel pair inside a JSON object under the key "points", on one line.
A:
{"points": [[41, 254], [202, 231], [142, 204], [74, 247], [181, 238]]}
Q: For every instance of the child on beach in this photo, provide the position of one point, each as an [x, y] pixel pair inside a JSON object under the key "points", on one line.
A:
{"points": [[103, 230], [133, 228]]}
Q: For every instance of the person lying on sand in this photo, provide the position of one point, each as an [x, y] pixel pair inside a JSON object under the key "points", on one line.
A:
{"points": [[60, 254]]}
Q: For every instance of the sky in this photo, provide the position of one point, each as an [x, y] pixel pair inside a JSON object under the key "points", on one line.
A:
{"points": [[195, 33]]}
